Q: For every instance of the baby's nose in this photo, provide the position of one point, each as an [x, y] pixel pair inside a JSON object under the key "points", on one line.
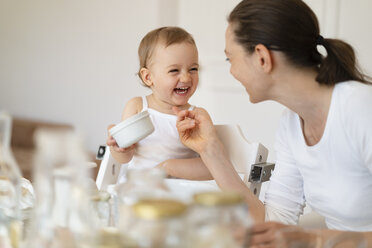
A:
{"points": [[185, 77]]}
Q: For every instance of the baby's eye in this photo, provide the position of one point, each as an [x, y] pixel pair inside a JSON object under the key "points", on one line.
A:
{"points": [[194, 69], [173, 70]]}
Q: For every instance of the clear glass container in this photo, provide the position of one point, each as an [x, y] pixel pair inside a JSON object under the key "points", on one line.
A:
{"points": [[101, 207], [158, 223], [140, 184], [63, 214], [218, 219], [10, 189], [113, 204]]}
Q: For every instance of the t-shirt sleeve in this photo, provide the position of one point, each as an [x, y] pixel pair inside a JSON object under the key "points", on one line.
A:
{"points": [[284, 198], [358, 121]]}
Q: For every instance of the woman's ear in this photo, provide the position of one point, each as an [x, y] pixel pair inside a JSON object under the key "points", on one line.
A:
{"points": [[265, 57], [145, 76]]}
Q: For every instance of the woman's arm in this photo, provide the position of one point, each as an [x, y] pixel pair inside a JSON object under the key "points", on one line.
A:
{"points": [[274, 234], [190, 168], [197, 132]]}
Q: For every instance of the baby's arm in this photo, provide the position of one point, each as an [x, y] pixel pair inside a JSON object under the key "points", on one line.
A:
{"points": [[124, 155], [189, 168]]}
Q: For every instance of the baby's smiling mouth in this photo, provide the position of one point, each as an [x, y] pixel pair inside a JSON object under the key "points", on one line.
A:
{"points": [[181, 90]]}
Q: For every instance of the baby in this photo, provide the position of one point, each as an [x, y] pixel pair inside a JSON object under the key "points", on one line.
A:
{"points": [[169, 67]]}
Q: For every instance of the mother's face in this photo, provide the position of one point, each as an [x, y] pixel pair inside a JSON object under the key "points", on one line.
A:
{"points": [[244, 66]]}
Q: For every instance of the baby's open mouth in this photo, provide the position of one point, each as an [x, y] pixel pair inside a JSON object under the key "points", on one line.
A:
{"points": [[182, 90]]}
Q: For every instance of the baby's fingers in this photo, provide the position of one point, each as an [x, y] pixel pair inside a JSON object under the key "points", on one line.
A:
{"points": [[126, 149], [111, 141]]}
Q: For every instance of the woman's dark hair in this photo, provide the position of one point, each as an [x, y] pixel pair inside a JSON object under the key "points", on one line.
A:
{"points": [[291, 27]]}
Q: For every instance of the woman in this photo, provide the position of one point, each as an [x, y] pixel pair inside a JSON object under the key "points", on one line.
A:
{"points": [[324, 141]]}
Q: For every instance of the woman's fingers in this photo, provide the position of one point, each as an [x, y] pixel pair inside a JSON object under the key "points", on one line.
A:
{"points": [[186, 124], [265, 234], [263, 238], [183, 114]]}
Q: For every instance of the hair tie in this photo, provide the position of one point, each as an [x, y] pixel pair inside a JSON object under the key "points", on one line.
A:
{"points": [[320, 40]]}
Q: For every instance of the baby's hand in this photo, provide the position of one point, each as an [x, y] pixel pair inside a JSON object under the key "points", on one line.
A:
{"points": [[112, 143]]}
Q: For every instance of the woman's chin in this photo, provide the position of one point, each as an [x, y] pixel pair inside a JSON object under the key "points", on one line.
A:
{"points": [[254, 100]]}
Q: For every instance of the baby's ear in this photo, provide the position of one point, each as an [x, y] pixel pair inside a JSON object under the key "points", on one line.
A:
{"points": [[145, 76]]}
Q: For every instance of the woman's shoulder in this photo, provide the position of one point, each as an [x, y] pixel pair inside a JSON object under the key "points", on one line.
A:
{"points": [[352, 95], [353, 89], [352, 104]]}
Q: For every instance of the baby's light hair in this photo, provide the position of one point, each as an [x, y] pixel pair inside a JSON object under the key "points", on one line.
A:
{"points": [[166, 35]]}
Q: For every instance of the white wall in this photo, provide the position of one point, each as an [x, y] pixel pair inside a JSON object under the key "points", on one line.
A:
{"points": [[74, 61]]}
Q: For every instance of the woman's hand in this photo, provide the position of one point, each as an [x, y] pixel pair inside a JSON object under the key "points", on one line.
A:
{"points": [[277, 235], [195, 128], [111, 142]]}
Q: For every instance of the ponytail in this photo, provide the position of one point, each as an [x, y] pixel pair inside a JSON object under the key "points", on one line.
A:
{"points": [[339, 65], [290, 26]]}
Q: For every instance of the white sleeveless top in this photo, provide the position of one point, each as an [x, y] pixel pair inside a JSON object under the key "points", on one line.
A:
{"points": [[162, 144]]}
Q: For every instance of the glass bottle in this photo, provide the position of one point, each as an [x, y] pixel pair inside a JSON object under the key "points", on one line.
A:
{"points": [[10, 189], [158, 223], [63, 214], [218, 219]]}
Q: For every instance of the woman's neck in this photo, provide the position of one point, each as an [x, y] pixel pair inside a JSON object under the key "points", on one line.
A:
{"points": [[162, 106], [300, 92]]}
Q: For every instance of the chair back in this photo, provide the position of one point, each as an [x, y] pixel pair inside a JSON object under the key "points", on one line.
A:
{"points": [[242, 153]]}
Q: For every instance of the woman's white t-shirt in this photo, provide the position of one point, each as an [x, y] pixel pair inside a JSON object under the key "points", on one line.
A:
{"points": [[334, 177]]}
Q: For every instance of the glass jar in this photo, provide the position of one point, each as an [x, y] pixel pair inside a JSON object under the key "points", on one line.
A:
{"points": [[10, 189], [158, 223], [101, 207], [140, 184], [218, 219]]}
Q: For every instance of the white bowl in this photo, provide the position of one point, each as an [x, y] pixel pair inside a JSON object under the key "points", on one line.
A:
{"points": [[132, 130]]}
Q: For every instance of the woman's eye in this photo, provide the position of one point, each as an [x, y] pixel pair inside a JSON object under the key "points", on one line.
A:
{"points": [[173, 70], [194, 69]]}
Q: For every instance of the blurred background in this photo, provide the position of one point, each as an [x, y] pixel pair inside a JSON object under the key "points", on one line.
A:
{"points": [[74, 62]]}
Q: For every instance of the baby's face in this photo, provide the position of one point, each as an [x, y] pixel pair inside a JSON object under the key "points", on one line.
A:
{"points": [[174, 73]]}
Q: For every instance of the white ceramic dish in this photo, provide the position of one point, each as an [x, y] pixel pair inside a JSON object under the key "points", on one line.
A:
{"points": [[132, 130]]}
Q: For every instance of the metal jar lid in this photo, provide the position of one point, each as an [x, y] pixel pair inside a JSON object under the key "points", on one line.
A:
{"points": [[152, 209]]}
